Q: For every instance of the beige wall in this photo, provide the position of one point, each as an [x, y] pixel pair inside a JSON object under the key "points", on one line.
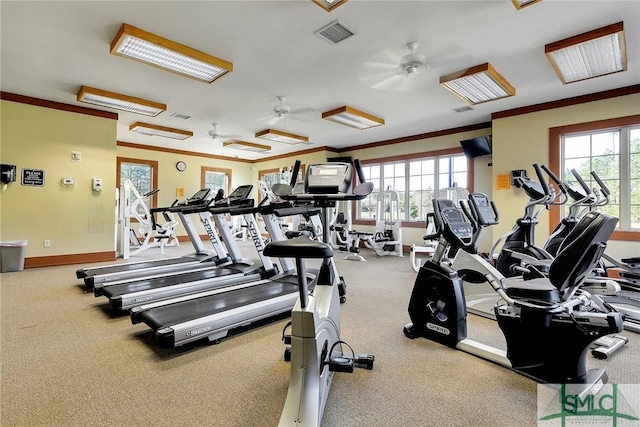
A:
{"points": [[78, 220], [75, 219], [522, 140], [170, 179]]}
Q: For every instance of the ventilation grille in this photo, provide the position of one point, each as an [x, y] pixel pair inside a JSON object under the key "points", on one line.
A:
{"points": [[335, 32], [462, 109]]}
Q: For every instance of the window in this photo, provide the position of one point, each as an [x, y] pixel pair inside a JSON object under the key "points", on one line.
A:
{"points": [[614, 155], [215, 179], [142, 173], [279, 176], [611, 148], [415, 178]]}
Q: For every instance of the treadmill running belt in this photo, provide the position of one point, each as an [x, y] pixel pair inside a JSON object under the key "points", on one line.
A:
{"points": [[162, 316], [143, 285]]}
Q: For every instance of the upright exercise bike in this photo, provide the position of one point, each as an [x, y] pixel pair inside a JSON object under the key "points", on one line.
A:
{"points": [[316, 350], [546, 331]]}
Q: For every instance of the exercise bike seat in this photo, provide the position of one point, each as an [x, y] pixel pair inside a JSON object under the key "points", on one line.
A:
{"points": [[577, 257], [540, 289], [300, 247]]}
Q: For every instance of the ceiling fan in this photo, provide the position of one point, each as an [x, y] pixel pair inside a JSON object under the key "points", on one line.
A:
{"points": [[399, 70], [216, 136], [283, 111]]}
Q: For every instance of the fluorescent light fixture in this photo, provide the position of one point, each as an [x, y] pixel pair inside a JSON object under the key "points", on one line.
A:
{"points": [[519, 4], [280, 136], [349, 116], [478, 84], [134, 43], [247, 146], [155, 130], [592, 54], [329, 5], [103, 98]]}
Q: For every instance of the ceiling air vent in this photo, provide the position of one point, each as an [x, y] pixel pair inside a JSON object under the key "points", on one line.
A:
{"points": [[180, 116], [462, 109], [335, 32]]}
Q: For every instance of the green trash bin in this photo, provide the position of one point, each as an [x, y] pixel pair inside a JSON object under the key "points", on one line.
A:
{"points": [[12, 255]]}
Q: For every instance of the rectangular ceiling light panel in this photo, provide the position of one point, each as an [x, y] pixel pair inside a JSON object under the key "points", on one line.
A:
{"points": [[350, 116], [280, 136], [519, 4], [118, 101], [329, 5], [592, 54], [134, 43], [156, 130], [247, 146], [478, 84]]}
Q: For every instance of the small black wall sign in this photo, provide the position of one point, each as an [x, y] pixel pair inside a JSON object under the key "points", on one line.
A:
{"points": [[33, 177]]}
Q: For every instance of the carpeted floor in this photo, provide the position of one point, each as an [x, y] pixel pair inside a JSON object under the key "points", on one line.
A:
{"points": [[68, 361]]}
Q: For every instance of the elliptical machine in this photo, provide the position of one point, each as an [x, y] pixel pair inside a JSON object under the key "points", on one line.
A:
{"points": [[546, 332], [521, 239], [315, 346]]}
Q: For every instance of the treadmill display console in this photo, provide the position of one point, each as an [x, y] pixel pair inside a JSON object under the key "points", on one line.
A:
{"points": [[330, 178], [200, 198]]}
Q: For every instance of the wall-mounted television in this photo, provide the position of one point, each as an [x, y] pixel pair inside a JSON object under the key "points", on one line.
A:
{"points": [[476, 147], [346, 159]]}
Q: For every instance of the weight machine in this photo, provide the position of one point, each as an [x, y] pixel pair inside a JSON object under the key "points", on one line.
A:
{"points": [[132, 205]]}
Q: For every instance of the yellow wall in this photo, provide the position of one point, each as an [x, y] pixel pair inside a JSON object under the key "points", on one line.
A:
{"points": [[522, 140], [75, 219], [170, 179], [78, 220]]}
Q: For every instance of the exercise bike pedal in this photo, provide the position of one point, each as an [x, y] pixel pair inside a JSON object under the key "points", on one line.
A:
{"points": [[286, 338], [341, 364], [364, 361]]}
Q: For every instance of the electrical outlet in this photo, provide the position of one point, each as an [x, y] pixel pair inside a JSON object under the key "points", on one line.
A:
{"points": [[47, 243]]}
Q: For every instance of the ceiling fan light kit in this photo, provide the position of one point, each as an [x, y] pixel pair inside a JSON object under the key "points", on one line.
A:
{"points": [[413, 63], [247, 146], [134, 43], [352, 117], [118, 101], [280, 136], [156, 130], [478, 84], [591, 54]]}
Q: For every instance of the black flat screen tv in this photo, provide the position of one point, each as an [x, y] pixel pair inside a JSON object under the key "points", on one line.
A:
{"points": [[476, 147]]}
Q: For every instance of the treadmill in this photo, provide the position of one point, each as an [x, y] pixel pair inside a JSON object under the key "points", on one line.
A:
{"points": [[110, 273], [210, 315], [129, 294]]}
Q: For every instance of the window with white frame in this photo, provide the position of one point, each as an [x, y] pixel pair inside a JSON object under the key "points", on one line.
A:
{"points": [[416, 180], [614, 155]]}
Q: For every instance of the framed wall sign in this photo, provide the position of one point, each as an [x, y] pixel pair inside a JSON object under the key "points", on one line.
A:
{"points": [[32, 177]]}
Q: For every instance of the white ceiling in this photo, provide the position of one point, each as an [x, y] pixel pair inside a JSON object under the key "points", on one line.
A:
{"points": [[50, 49]]}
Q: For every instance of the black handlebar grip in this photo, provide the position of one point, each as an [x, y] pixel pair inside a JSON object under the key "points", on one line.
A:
{"points": [[175, 202], [583, 184], [555, 178], [543, 183], [294, 174], [603, 186], [359, 171]]}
